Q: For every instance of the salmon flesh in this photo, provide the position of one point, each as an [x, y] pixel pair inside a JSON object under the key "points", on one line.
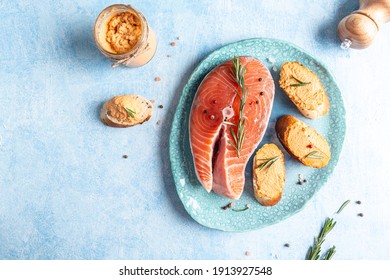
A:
{"points": [[213, 123]]}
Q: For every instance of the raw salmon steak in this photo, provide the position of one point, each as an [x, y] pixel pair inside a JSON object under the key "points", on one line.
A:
{"points": [[214, 116]]}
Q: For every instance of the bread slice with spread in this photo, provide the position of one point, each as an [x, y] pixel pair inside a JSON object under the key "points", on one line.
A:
{"points": [[126, 110], [269, 175], [303, 142], [304, 89]]}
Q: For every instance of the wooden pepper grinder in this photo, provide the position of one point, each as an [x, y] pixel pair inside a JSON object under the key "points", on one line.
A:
{"points": [[359, 29]]}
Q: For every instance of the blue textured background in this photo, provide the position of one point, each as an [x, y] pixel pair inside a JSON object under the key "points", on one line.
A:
{"points": [[67, 193]]}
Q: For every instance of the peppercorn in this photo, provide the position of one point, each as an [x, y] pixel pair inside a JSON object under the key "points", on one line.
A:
{"points": [[230, 205]]}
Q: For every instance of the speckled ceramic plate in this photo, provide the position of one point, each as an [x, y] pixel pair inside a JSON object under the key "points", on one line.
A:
{"points": [[205, 207]]}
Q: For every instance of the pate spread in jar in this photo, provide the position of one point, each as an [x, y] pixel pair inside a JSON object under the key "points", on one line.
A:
{"points": [[123, 35]]}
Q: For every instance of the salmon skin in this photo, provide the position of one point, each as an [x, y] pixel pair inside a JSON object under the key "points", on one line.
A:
{"points": [[214, 117]]}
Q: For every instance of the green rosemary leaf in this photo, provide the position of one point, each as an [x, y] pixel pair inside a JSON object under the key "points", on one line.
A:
{"points": [[343, 206], [130, 112], [233, 134], [239, 96], [241, 209], [330, 253], [232, 72], [300, 83], [232, 144], [240, 129], [314, 155], [230, 123], [241, 143]]}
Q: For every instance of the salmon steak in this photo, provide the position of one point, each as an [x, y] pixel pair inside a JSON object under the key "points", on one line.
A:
{"points": [[228, 119]]}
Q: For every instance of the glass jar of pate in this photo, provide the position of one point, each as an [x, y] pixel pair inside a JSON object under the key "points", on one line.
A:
{"points": [[122, 34]]}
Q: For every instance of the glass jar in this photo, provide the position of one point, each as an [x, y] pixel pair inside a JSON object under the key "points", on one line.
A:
{"points": [[143, 50]]}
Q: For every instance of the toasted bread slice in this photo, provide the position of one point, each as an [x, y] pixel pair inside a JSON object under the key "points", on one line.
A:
{"points": [[269, 175], [304, 89], [126, 110], [303, 142]]}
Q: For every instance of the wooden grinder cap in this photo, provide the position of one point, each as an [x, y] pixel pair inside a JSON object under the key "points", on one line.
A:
{"points": [[359, 29]]}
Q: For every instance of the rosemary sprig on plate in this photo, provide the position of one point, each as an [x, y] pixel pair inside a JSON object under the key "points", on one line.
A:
{"points": [[268, 162], [300, 83], [238, 74], [314, 155], [130, 112]]}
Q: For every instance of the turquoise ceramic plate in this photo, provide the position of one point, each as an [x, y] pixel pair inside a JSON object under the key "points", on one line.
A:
{"points": [[205, 207]]}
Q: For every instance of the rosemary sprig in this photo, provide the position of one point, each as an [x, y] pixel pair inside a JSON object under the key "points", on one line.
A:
{"points": [[238, 74], [300, 83], [130, 112], [268, 162], [314, 155], [314, 251]]}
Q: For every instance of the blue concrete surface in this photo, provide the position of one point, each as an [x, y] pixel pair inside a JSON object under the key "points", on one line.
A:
{"points": [[67, 193]]}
